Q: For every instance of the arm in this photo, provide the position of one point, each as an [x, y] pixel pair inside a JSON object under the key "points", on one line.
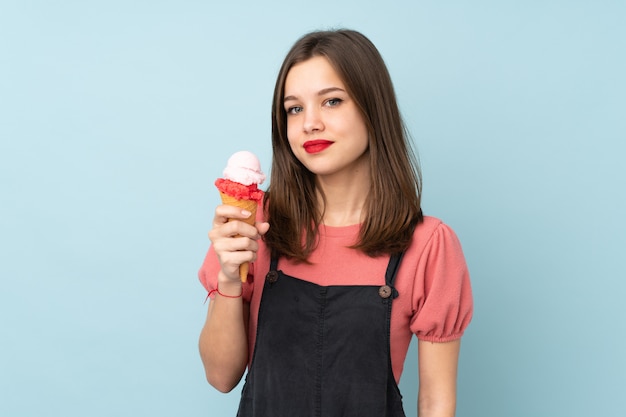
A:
{"points": [[224, 338], [438, 364]]}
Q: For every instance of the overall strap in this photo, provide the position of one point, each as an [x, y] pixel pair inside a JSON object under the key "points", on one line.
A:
{"points": [[388, 290], [274, 263], [392, 268]]}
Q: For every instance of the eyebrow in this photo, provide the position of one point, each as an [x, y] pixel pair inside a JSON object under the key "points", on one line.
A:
{"points": [[319, 93]]}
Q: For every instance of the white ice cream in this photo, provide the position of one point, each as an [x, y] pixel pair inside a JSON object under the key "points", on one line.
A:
{"points": [[244, 167]]}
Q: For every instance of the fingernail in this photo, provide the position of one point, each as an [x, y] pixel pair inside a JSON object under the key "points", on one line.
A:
{"points": [[246, 213]]}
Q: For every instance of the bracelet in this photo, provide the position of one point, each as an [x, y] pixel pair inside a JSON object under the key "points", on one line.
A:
{"points": [[217, 290]]}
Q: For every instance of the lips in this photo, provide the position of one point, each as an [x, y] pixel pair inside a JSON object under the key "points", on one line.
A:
{"points": [[316, 146]]}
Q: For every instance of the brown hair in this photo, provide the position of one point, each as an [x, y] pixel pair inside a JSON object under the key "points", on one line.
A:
{"points": [[393, 204]]}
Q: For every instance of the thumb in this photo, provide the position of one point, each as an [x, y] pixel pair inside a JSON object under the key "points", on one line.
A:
{"points": [[262, 227]]}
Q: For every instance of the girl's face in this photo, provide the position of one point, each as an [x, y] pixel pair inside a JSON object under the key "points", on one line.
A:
{"points": [[325, 129]]}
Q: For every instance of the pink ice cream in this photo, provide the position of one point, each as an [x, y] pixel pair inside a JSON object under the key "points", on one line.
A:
{"points": [[242, 176]]}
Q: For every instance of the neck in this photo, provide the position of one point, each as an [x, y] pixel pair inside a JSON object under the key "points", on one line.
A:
{"points": [[342, 199]]}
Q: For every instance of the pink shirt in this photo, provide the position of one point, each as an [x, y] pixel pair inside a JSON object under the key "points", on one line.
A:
{"points": [[435, 297]]}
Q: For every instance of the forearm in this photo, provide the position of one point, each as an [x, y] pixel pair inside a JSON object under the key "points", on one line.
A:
{"points": [[223, 340], [437, 375], [441, 406]]}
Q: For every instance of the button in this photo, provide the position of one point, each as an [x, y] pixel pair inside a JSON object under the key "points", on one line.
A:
{"points": [[271, 277], [384, 291]]}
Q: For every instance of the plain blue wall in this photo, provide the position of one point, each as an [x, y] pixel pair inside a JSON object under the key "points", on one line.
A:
{"points": [[115, 118]]}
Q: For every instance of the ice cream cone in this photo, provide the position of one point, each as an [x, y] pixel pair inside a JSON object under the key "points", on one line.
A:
{"points": [[251, 206], [239, 188]]}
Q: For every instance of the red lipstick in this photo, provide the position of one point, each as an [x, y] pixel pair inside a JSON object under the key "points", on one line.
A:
{"points": [[317, 145]]}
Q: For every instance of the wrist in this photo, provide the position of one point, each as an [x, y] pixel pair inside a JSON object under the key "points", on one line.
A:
{"points": [[228, 288], [217, 291]]}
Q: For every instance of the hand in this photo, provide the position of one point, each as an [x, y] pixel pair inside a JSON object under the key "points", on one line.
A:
{"points": [[234, 241]]}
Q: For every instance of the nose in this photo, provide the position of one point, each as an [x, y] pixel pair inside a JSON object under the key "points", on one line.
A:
{"points": [[312, 121]]}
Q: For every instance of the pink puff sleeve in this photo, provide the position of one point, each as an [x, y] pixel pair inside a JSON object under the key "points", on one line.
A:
{"points": [[208, 275], [442, 301]]}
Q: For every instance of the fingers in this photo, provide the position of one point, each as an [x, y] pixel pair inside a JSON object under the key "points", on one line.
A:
{"points": [[224, 213], [234, 251], [231, 260], [235, 248], [232, 229]]}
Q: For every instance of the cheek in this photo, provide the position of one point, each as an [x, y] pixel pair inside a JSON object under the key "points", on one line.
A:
{"points": [[359, 130]]}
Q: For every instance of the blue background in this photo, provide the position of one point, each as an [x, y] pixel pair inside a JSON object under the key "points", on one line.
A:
{"points": [[116, 117]]}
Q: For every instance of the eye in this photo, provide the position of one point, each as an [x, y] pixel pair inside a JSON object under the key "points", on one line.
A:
{"points": [[333, 102], [293, 110]]}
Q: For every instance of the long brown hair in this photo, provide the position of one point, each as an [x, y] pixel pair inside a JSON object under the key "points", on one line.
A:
{"points": [[392, 208]]}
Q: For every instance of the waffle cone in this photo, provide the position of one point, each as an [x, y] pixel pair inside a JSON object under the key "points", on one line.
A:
{"points": [[251, 206]]}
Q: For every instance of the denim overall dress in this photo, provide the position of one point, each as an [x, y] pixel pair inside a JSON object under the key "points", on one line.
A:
{"points": [[322, 351]]}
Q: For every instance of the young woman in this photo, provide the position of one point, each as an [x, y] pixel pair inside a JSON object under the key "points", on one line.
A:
{"points": [[345, 268]]}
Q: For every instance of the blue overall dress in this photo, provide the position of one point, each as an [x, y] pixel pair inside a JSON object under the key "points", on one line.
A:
{"points": [[322, 351]]}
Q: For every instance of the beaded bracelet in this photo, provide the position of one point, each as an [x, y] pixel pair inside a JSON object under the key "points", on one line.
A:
{"points": [[217, 290]]}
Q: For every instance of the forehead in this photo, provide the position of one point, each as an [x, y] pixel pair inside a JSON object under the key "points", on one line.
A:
{"points": [[312, 75]]}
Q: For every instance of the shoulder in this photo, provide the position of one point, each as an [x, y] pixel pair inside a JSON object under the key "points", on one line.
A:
{"points": [[433, 236], [432, 228], [427, 226]]}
